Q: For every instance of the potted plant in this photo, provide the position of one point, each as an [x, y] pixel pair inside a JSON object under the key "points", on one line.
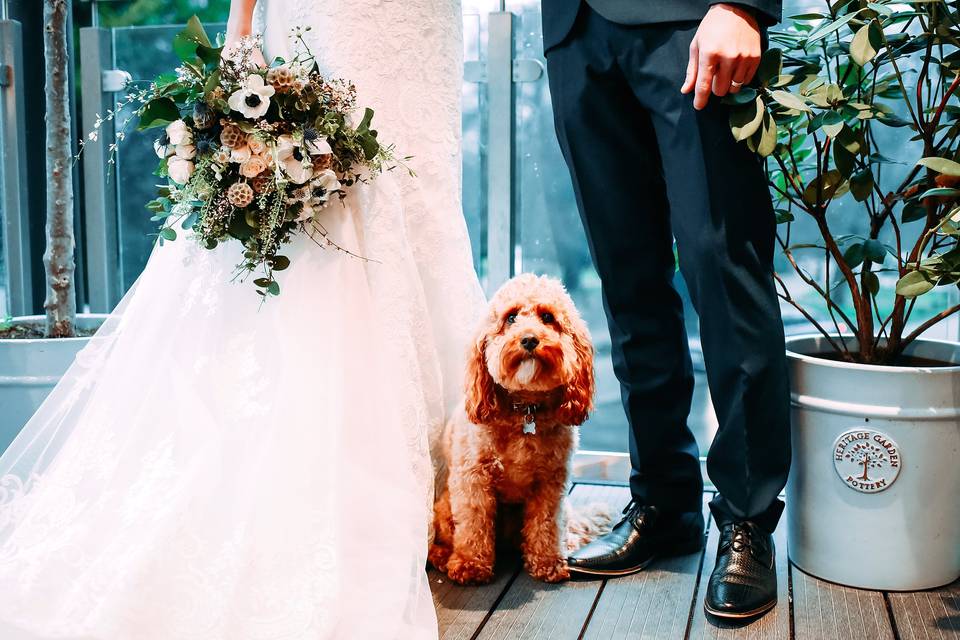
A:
{"points": [[855, 109], [36, 350]]}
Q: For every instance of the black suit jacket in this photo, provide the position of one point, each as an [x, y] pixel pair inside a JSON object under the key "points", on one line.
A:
{"points": [[559, 15]]}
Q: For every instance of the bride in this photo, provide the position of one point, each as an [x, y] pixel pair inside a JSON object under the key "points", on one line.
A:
{"points": [[209, 470]]}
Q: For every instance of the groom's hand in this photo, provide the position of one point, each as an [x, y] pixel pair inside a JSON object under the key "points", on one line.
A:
{"points": [[724, 54]]}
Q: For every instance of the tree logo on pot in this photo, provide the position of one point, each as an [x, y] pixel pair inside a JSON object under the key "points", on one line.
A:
{"points": [[866, 460]]}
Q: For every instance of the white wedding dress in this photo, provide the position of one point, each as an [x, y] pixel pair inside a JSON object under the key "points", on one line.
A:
{"points": [[211, 469]]}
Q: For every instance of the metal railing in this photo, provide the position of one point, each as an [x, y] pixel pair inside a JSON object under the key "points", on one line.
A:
{"points": [[13, 163]]}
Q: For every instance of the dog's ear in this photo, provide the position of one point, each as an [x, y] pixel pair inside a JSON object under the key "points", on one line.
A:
{"points": [[578, 398], [481, 391]]}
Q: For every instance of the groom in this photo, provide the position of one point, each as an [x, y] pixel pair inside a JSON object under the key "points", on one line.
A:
{"points": [[650, 162]]}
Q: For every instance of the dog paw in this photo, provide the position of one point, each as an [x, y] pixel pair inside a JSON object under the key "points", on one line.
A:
{"points": [[439, 555], [548, 569], [468, 570]]}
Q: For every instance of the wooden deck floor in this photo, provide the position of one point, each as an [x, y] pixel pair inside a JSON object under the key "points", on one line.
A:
{"points": [[666, 603]]}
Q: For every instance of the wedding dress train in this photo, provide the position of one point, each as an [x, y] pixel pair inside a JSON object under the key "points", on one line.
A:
{"points": [[209, 468]]}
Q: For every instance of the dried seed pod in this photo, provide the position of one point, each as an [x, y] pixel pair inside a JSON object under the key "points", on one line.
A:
{"points": [[240, 194], [232, 136], [281, 77]]}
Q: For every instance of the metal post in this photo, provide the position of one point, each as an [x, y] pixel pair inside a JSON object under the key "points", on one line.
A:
{"points": [[13, 178], [501, 228], [99, 198]]}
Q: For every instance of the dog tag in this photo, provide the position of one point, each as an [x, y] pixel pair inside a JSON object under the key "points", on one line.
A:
{"points": [[529, 424]]}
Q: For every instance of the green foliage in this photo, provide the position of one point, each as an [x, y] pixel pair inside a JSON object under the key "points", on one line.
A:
{"points": [[828, 82]]}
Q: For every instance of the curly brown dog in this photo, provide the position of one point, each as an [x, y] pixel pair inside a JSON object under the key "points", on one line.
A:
{"points": [[529, 384]]}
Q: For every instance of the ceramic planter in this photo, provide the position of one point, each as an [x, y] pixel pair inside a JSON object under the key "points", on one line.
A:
{"points": [[29, 369], [872, 499]]}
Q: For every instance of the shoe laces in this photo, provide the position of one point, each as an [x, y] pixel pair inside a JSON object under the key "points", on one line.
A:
{"points": [[742, 539]]}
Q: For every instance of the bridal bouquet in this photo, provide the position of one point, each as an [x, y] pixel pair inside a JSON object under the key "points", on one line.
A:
{"points": [[253, 153]]}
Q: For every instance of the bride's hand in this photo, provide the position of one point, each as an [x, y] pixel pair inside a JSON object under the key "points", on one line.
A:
{"points": [[239, 25]]}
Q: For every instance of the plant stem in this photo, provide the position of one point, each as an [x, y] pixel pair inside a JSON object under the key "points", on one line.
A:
{"points": [[58, 258]]}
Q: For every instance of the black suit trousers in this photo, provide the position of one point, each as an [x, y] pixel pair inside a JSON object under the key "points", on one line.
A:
{"points": [[647, 167]]}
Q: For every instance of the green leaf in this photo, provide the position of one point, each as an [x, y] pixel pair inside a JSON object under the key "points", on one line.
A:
{"points": [[789, 100], [915, 283], [832, 123], [768, 136], [941, 165], [274, 288], [262, 282], [940, 192], [873, 283], [830, 181], [874, 251], [861, 184], [853, 255], [168, 234], [830, 26], [862, 47], [746, 119], [745, 95], [280, 263], [159, 112], [771, 63], [913, 211], [783, 216], [844, 160], [186, 42], [365, 122]]}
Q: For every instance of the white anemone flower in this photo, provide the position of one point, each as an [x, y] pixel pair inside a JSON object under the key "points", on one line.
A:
{"points": [[252, 99], [328, 181], [296, 165], [317, 146], [179, 133], [163, 150], [179, 169]]}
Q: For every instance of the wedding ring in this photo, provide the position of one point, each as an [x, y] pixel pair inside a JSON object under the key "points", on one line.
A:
{"points": [[736, 84]]}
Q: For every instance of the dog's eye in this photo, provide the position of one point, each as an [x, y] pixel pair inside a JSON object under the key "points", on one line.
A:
{"points": [[511, 317], [547, 317]]}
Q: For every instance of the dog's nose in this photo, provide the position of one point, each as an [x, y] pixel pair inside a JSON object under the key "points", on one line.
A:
{"points": [[529, 343]]}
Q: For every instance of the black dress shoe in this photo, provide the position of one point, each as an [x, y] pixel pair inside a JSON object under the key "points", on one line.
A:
{"points": [[643, 535], [744, 582]]}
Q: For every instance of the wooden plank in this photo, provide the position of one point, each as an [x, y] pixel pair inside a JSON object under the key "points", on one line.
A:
{"points": [[928, 615], [773, 625], [533, 609], [652, 604], [461, 610], [826, 611]]}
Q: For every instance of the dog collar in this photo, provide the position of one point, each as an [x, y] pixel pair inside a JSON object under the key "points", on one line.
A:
{"points": [[529, 411]]}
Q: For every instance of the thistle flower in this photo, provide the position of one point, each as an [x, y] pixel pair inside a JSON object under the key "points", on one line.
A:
{"points": [[203, 116]]}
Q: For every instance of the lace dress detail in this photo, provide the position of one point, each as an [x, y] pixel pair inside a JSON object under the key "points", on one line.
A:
{"points": [[212, 469]]}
